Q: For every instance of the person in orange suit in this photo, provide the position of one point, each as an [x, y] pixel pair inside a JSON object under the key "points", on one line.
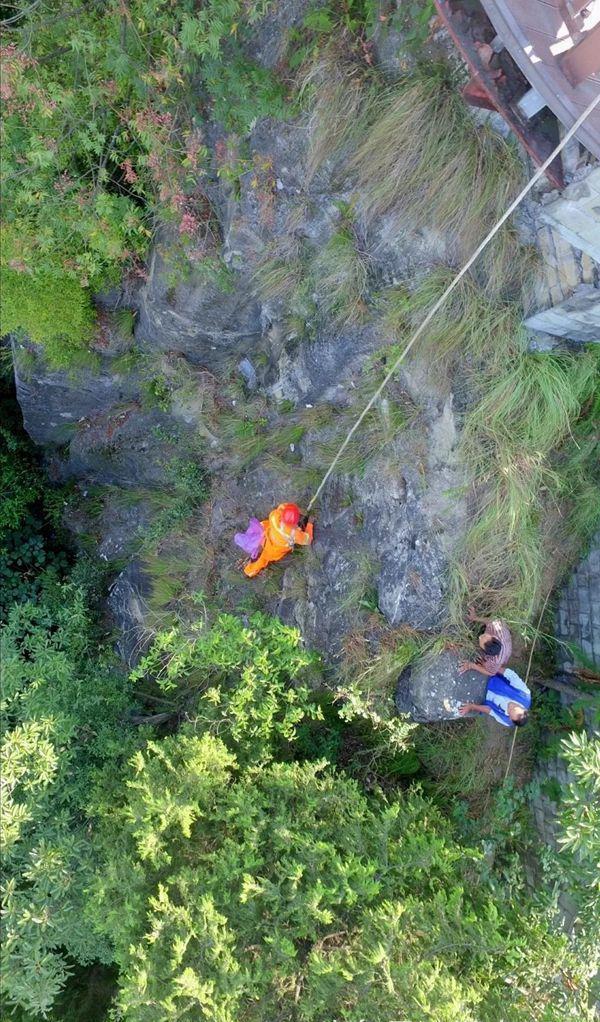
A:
{"points": [[283, 530]]}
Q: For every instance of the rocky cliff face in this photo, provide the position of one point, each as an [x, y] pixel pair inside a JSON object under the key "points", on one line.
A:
{"points": [[214, 366]]}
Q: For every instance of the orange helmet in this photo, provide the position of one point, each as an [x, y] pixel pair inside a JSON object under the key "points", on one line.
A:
{"points": [[290, 514]]}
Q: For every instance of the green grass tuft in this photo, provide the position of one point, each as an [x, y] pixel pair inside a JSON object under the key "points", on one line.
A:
{"points": [[360, 593], [244, 436], [469, 325], [284, 275], [456, 757], [125, 320], [340, 273], [373, 657], [277, 277]]}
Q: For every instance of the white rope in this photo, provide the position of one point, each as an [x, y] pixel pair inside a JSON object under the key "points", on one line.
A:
{"points": [[536, 636], [538, 174]]}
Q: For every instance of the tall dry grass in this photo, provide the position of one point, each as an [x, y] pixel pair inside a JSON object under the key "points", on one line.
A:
{"points": [[338, 95], [533, 452], [469, 326], [422, 152], [415, 152]]}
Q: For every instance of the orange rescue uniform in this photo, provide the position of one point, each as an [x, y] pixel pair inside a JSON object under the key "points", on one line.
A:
{"points": [[279, 541]]}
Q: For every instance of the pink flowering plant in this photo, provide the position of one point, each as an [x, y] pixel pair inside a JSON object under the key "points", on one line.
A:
{"points": [[103, 135]]}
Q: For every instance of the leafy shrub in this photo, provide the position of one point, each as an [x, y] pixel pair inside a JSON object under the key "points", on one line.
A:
{"points": [[52, 310], [349, 20], [358, 745], [580, 821], [27, 563], [20, 481], [188, 490], [242, 92], [245, 680], [31, 553], [415, 17], [222, 882], [157, 394]]}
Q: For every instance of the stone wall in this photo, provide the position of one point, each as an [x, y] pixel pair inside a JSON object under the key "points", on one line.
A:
{"points": [[578, 622], [578, 317], [579, 610], [565, 297], [576, 213]]}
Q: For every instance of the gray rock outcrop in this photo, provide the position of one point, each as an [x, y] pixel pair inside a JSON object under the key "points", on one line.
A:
{"points": [[576, 318], [575, 213], [193, 316], [54, 402], [127, 604], [433, 688], [213, 352]]}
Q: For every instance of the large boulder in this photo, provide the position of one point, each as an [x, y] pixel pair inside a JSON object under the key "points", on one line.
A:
{"points": [[408, 547], [432, 688], [326, 367]]}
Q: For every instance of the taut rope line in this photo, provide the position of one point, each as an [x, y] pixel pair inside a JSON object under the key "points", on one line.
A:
{"points": [[538, 174], [536, 636]]}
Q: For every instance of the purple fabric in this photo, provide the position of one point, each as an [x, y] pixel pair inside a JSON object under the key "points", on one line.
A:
{"points": [[251, 541]]}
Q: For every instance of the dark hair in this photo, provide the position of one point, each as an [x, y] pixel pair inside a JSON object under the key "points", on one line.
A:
{"points": [[492, 646], [522, 720]]}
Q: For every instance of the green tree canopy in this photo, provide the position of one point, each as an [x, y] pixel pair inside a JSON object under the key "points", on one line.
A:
{"points": [[61, 721], [234, 886], [284, 892]]}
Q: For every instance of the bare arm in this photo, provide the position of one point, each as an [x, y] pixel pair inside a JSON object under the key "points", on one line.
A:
{"points": [[473, 708], [471, 616], [468, 665], [304, 537]]}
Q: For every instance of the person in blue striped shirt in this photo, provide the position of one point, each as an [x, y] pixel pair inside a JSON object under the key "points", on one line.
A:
{"points": [[507, 699]]}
